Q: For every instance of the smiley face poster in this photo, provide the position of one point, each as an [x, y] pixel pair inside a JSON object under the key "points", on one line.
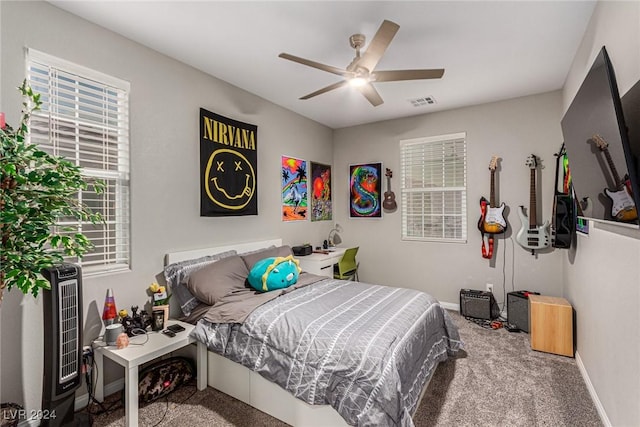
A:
{"points": [[228, 166]]}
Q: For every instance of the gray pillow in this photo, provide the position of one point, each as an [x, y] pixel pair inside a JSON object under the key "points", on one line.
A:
{"points": [[214, 281], [250, 258], [177, 275]]}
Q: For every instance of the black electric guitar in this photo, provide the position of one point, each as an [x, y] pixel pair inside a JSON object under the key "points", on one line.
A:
{"points": [[563, 221], [492, 219], [531, 235], [389, 202], [622, 206]]}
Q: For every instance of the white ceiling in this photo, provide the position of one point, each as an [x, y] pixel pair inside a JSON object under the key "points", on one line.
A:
{"points": [[491, 50]]}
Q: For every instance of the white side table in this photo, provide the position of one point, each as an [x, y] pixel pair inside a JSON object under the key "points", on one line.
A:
{"points": [[133, 356]]}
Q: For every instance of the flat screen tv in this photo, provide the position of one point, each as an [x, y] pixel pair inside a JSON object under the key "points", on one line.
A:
{"points": [[602, 158]]}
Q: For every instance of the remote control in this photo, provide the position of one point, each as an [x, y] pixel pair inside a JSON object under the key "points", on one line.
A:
{"points": [[169, 333]]}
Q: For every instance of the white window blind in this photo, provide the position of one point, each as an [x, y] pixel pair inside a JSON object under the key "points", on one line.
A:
{"points": [[84, 117], [434, 188]]}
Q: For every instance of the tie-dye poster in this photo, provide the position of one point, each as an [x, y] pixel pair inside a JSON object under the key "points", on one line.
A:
{"points": [[365, 186], [294, 189], [321, 209]]}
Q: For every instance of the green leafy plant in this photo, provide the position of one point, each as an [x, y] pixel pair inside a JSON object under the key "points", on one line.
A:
{"points": [[36, 190]]}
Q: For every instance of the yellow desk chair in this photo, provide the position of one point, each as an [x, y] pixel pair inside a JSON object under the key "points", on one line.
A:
{"points": [[347, 267]]}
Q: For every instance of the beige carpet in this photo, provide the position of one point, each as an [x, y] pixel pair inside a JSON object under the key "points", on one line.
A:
{"points": [[497, 381]]}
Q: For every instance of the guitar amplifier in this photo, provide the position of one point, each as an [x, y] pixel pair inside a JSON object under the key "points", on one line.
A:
{"points": [[518, 309], [478, 304]]}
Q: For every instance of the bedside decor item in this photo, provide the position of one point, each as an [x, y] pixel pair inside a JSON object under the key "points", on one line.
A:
{"points": [[31, 177], [365, 189], [122, 341], [159, 294], [228, 166], [112, 332], [158, 319], [136, 323], [321, 205], [109, 311], [294, 189]]}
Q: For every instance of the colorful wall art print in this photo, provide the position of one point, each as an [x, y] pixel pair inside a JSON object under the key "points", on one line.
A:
{"points": [[365, 190], [321, 209], [228, 166], [294, 189]]}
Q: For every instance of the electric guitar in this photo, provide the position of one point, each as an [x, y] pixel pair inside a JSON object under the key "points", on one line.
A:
{"points": [[623, 207], [389, 202], [492, 220], [531, 235]]}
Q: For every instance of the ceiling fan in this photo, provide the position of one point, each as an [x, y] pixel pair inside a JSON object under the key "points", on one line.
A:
{"points": [[361, 72]]}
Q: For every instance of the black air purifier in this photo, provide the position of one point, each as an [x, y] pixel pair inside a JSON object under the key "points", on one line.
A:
{"points": [[62, 344]]}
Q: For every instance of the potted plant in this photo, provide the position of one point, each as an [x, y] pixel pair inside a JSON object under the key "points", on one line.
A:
{"points": [[36, 189]]}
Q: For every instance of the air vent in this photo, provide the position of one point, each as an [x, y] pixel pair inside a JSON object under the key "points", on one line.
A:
{"points": [[424, 101]]}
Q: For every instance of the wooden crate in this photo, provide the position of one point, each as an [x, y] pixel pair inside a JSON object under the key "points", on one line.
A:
{"points": [[551, 324]]}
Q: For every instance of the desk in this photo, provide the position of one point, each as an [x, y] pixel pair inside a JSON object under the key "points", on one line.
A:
{"points": [[133, 356], [321, 264]]}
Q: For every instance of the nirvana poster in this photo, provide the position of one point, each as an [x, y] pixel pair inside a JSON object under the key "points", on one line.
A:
{"points": [[228, 166]]}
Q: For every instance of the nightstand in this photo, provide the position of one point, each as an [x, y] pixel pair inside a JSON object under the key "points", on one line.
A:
{"points": [[131, 357]]}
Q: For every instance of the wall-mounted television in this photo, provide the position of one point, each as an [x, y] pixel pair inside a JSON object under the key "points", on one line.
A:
{"points": [[603, 160]]}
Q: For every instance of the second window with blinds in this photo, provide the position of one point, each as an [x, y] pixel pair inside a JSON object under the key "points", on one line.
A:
{"points": [[434, 188]]}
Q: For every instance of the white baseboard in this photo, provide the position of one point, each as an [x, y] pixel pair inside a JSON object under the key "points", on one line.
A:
{"points": [[592, 392], [450, 306]]}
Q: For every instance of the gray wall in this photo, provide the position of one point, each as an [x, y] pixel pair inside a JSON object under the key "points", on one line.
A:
{"points": [[602, 273], [600, 277], [510, 129], [165, 99]]}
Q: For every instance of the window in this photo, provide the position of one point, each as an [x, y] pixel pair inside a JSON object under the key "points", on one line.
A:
{"points": [[434, 188], [84, 117]]}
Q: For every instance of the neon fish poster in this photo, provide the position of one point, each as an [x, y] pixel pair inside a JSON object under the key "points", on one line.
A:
{"points": [[294, 189], [321, 208], [365, 187]]}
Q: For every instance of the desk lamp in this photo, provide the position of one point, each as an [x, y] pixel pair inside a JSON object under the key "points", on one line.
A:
{"points": [[334, 237]]}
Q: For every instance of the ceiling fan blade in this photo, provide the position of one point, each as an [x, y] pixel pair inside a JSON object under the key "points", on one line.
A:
{"points": [[378, 45], [371, 94], [326, 89], [319, 66], [396, 75]]}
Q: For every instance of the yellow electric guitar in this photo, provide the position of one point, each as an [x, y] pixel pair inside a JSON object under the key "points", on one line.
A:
{"points": [[492, 219]]}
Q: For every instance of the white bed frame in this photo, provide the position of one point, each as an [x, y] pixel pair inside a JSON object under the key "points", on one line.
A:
{"points": [[248, 386]]}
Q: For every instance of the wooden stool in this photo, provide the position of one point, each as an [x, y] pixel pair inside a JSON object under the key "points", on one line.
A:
{"points": [[551, 325]]}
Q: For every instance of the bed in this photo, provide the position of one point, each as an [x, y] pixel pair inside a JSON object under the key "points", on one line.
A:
{"points": [[322, 352]]}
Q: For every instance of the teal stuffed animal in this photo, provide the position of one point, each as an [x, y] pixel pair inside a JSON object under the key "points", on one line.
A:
{"points": [[274, 273]]}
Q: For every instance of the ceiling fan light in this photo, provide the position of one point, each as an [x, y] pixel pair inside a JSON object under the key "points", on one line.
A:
{"points": [[358, 81]]}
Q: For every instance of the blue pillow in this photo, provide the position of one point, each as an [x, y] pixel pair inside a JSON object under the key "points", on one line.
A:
{"points": [[273, 273]]}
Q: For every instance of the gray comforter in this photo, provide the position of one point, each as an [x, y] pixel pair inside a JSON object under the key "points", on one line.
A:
{"points": [[366, 350]]}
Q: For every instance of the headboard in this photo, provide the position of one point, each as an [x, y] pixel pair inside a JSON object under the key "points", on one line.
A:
{"points": [[172, 257]]}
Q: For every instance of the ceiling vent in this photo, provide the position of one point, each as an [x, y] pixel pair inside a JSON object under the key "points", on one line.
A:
{"points": [[424, 101]]}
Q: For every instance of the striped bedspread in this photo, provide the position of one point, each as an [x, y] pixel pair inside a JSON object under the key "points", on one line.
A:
{"points": [[366, 350]]}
